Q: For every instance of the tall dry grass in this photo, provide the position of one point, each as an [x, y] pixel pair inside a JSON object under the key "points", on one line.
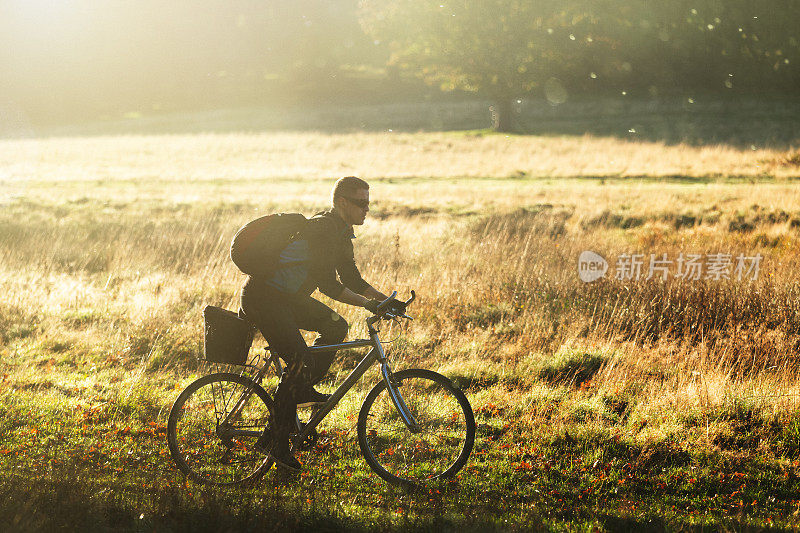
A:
{"points": [[110, 247]]}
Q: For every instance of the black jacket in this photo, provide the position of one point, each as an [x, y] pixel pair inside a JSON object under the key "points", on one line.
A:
{"points": [[325, 248]]}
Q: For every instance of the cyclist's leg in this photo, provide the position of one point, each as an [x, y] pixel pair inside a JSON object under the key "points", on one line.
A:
{"points": [[270, 311], [313, 315]]}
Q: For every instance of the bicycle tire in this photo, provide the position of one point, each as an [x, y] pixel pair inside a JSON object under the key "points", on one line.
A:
{"points": [[202, 449], [439, 451]]}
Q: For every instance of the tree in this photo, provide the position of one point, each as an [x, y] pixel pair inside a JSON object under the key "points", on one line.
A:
{"points": [[506, 48], [710, 46], [500, 48]]}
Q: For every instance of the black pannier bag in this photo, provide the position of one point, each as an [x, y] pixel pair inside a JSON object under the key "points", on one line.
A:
{"points": [[227, 338], [256, 247]]}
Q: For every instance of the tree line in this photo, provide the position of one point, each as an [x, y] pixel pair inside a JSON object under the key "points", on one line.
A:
{"points": [[506, 49], [214, 52]]}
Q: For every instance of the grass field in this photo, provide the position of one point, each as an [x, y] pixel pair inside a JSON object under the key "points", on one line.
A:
{"points": [[617, 404]]}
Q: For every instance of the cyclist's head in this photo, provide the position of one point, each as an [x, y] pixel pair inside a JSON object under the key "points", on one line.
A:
{"points": [[350, 199]]}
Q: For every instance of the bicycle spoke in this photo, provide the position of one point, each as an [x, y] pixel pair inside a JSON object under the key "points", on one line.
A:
{"points": [[214, 402], [205, 447], [439, 446]]}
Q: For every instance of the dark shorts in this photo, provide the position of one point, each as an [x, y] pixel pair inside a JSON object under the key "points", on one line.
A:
{"points": [[280, 317]]}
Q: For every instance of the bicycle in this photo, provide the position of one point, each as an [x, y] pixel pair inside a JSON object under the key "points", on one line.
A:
{"points": [[414, 426]]}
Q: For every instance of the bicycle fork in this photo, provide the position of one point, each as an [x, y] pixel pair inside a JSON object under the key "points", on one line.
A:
{"points": [[393, 388]]}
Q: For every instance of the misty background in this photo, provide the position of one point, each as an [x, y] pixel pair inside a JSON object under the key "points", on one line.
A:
{"points": [[82, 61]]}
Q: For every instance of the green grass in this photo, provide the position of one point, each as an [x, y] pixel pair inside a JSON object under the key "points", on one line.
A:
{"points": [[607, 406], [104, 466], [86, 449]]}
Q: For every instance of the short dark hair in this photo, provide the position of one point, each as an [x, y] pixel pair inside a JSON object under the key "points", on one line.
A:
{"points": [[347, 186]]}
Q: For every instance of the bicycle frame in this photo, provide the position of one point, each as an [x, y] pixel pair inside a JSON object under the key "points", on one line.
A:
{"points": [[374, 355]]}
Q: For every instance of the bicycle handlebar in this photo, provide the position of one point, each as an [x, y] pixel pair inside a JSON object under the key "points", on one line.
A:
{"points": [[387, 314], [387, 300]]}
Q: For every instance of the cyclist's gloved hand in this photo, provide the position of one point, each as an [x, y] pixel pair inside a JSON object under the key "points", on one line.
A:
{"points": [[372, 306], [396, 307]]}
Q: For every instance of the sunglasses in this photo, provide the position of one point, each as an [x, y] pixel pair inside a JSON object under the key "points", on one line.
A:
{"points": [[358, 202]]}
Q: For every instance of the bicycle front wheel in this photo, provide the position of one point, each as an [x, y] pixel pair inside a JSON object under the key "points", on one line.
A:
{"points": [[213, 426], [446, 433]]}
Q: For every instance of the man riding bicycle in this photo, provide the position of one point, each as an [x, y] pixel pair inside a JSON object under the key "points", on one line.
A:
{"points": [[280, 304]]}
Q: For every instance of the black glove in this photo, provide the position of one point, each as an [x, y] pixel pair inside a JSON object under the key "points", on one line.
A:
{"points": [[396, 307], [372, 306]]}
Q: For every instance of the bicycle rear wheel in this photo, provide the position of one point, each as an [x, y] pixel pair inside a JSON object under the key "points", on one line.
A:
{"points": [[213, 426], [441, 447]]}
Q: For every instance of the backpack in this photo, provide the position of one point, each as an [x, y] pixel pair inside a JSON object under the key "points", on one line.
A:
{"points": [[256, 247]]}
